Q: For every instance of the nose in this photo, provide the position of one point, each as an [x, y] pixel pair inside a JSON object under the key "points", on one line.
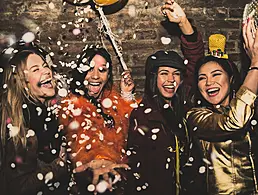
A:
{"points": [[171, 78], [209, 81], [95, 73], [46, 71]]}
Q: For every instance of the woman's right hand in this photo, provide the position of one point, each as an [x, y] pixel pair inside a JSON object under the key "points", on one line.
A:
{"points": [[251, 41]]}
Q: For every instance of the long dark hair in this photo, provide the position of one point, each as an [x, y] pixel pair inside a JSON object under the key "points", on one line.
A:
{"points": [[79, 74], [228, 66], [174, 116]]}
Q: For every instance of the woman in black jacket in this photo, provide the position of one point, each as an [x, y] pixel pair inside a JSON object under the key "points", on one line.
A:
{"points": [[31, 157]]}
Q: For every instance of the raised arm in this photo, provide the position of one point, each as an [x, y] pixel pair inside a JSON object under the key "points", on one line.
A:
{"points": [[192, 45], [214, 125]]}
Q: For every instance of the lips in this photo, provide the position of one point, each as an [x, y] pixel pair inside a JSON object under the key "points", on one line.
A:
{"points": [[169, 88], [94, 87], [213, 91], [46, 83]]}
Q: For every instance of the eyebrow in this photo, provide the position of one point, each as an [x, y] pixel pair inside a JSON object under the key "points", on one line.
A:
{"points": [[168, 71], [211, 72]]}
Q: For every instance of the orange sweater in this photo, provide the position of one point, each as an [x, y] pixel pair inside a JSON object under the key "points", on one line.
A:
{"points": [[87, 136]]}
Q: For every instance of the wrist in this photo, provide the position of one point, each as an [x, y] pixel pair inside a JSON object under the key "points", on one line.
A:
{"points": [[253, 68], [183, 21]]}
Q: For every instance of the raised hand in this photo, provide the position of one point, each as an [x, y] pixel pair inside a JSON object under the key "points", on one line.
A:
{"points": [[127, 84], [173, 12], [250, 40]]}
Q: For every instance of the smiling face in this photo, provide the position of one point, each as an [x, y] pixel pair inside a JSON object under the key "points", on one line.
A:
{"points": [[39, 78], [168, 81], [214, 83], [97, 76]]}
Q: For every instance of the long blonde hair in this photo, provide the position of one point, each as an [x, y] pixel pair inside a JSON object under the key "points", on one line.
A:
{"points": [[15, 93]]}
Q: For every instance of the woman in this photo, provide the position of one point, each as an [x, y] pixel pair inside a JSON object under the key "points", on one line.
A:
{"points": [[31, 160], [158, 138], [95, 117], [221, 120]]}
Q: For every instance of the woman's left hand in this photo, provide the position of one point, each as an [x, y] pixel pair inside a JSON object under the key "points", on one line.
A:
{"points": [[127, 84]]}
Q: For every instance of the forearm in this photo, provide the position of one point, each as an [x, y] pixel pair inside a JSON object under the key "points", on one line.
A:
{"points": [[251, 80], [186, 26], [209, 125]]}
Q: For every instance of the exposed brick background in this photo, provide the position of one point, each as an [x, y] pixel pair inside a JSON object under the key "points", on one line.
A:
{"points": [[137, 23]]}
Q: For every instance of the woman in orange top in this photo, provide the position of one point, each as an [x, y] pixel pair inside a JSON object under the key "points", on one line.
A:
{"points": [[95, 117]]}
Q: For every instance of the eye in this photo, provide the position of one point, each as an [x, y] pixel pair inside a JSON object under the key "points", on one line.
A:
{"points": [[163, 73], [35, 69], [216, 74], [201, 78], [177, 73], [102, 70]]}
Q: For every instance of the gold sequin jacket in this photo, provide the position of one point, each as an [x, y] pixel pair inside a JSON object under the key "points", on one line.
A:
{"points": [[225, 138]]}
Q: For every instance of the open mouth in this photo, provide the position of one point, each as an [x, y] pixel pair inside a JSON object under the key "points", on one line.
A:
{"points": [[213, 91], [46, 83], [94, 87]]}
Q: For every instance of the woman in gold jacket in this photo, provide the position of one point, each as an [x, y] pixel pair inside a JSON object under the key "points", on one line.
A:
{"points": [[222, 120]]}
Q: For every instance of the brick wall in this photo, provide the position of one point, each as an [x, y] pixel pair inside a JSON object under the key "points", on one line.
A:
{"points": [[137, 24]]}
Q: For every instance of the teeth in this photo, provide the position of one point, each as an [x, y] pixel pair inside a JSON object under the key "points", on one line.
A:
{"points": [[46, 81], [95, 84], [169, 86], [212, 90]]}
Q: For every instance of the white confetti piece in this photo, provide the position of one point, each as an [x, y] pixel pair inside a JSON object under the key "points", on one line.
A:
{"points": [[253, 122], [155, 130], [166, 106], [62, 92], [30, 133], [140, 131], [24, 106], [39, 110], [78, 163], [107, 103], [13, 165], [74, 125], [165, 40], [91, 188], [148, 110], [49, 176], [102, 186], [202, 169], [154, 137], [88, 146], [128, 152], [40, 176], [28, 37]]}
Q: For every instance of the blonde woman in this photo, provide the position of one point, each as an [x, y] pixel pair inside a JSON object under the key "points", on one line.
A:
{"points": [[30, 143]]}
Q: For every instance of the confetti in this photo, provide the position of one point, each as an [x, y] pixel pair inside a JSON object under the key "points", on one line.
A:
{"points": [[102, 186], [155, 130], [107, 103], [148, 110], [28, 37], [91, 188], [165, 40]]}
